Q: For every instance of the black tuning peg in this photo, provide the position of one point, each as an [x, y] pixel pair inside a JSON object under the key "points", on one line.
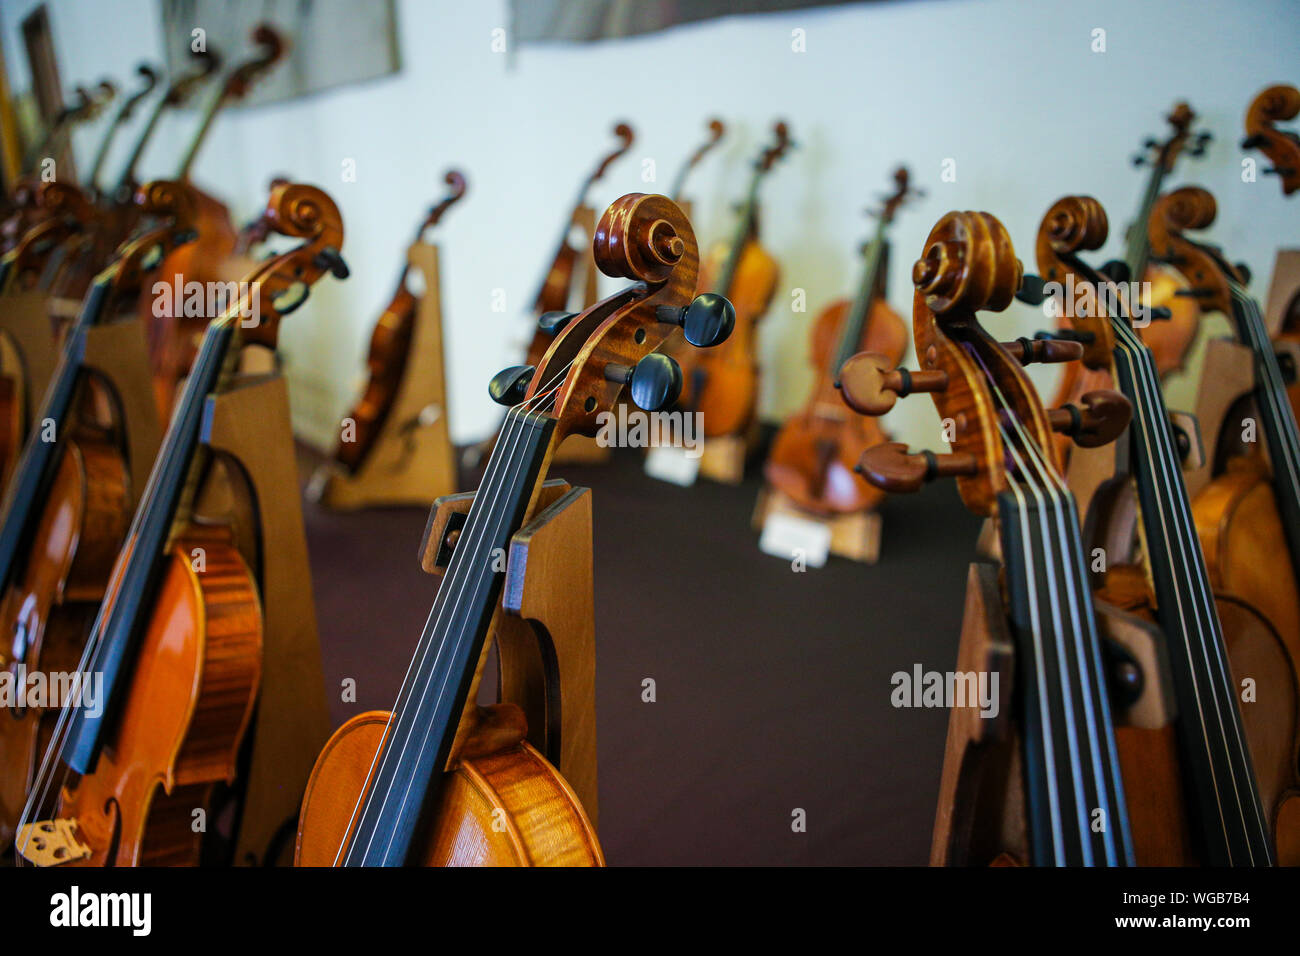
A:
{"points": [[655, 382], [553, 323], [1244, 271], [510, 385], [1067, 335], [707, 321], [1031, 290], [331, 260], [1253, 142], [1138, 160], [1160, 313]]}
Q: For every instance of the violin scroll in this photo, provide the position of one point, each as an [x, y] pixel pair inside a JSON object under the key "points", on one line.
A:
{"points": [[782, 143], [1208, 273], [456, 180], [903, 191], [274, 46], [1273, 105], [598, 352], [281, 283], [1072, 225], [968, 265], [182, 88]]}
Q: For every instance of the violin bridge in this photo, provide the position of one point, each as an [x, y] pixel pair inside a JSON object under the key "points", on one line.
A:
{"points": [[51, 842]]}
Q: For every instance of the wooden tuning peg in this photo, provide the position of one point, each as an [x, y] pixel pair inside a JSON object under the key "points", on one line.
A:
{"points": [[1104, 416], [871, 384], [890, 467], [1044, 351]]}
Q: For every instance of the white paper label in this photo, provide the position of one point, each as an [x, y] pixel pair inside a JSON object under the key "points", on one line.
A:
{"points": [[672, 464], [789, 536]]}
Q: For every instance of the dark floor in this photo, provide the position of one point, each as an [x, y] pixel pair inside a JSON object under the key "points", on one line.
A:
{"points": [[773, 686]]}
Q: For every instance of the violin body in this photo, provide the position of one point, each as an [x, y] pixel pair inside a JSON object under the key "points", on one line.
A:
{"points": [[544, 824], [722, 382], [390, 346], [190, 702], [50, 610], [815, 454]]}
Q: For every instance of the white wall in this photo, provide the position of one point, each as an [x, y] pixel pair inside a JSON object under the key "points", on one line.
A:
{"points": [[1009, 89]]}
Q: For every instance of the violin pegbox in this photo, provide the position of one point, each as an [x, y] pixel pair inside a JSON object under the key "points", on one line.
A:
{"points": [[1204, 267], [1181, 138], [172, 213], [608, 347], [282, 282], [1282, 146], [977, 384], [1072, 225]]}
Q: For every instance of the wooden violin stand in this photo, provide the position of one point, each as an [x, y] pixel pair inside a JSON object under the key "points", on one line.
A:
{"points": [[28, 355], [854, 536], [981, 816], [247, 428], [412, 461], [546, 640]]}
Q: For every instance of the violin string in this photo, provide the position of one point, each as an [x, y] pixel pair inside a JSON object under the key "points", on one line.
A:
{"points": [[511, 443], [491, 495], [1274, 387], [43, 785], [1185, 550], [1045, 484], [1087, 646]]}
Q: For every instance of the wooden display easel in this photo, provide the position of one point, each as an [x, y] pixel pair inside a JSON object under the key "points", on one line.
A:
{"points": [[412, 461], [546, 635], [28, 354], [247, 428], [116, 352], [980, 820], [854, 536]]}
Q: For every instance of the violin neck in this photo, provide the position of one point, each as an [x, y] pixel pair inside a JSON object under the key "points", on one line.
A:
{"points": [[115, 637], [39, 460], [1221, 779], [101, 154], [1276, 418], [205, 125], [1071, 763], [407, 777], [1137, 250], [128, 179], [744, 229], [873, 262]]}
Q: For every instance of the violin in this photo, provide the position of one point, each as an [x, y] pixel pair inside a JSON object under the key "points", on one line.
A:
{"points": [[258, 229], [557, 286], [124, 113], [1200, 800], [814, 454], [66, 510], [1040, 781], [1171, 338], [1281, 146], [390, 347], [23, 210], [438, 780], [1252, 504], [172, 339], [716, 131], [178, 639], [722, 383], [74, 264]]}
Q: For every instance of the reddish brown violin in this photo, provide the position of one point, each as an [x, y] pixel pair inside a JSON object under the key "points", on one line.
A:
{"points": [[173, 340], [816, 452], [557, 287], [722, 383], [176, 649], [390, 347], [1171, 338]]}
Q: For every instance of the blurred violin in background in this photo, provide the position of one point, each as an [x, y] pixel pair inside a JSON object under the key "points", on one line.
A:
{"points": [[815, 453]]}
